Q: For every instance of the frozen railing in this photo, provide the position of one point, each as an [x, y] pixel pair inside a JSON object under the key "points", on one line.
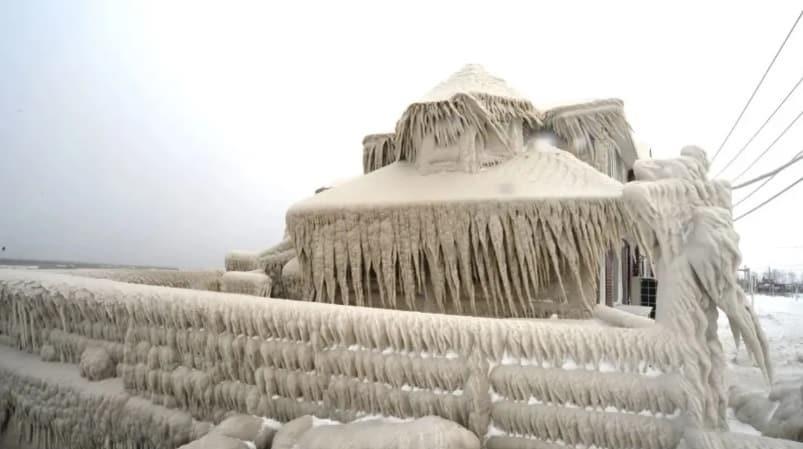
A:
{"points": [[212, 353]]}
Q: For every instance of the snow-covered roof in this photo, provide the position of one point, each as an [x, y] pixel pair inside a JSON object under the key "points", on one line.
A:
{"points": [[585, 107], [471, 79], [546, 173]]}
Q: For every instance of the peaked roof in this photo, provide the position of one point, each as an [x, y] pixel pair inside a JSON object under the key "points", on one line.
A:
{"points": [[471, 79]]}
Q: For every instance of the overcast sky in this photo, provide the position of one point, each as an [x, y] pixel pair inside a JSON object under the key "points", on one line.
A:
{"points": [[167, 133]]}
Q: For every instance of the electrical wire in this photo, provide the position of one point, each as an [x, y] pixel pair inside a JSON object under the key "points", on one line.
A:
{"points": [[760, 82], [771, 173], [761, 128], [769, 147], [761, 186], [799, 180]]}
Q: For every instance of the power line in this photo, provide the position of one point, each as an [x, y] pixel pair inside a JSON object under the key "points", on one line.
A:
{"points": [[760, 82], [761, 128], [769, 147], [799, 180], [761, 186], [771, 173]]}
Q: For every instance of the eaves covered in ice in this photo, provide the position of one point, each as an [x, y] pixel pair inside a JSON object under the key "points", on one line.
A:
{"points": [[522, 238]]}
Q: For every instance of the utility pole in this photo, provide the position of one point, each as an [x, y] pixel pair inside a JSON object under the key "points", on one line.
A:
{"points": [[772, 282], [748, 276]]}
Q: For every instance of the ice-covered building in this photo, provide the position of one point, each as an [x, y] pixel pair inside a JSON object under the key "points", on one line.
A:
{"points": [[462, 213], [471, 123]]}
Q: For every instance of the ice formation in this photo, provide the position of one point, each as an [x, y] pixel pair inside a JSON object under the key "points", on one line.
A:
{"points": [[209, 353], [48, 405], [429, 432], [684, 222], [518, 239], [596, 132], [779, 414], [237, 432], [242, 261], [469, 121], [379, 150], [457, 214], [195, 280], [255, 283], [96, 364]]}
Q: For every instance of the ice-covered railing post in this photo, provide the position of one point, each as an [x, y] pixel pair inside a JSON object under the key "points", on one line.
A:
{"points": [[684, 221]]}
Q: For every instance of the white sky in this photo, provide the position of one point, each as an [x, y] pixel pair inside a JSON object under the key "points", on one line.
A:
{"points": [[168, 133]]}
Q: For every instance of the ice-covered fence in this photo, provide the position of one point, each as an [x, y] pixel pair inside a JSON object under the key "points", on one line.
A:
{"points": [[52, 406], [211, 353], [255, 283], [195, 280]]}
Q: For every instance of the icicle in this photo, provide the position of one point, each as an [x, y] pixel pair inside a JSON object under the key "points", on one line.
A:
{"points": [[341, 260], [367, 262], [432, 253], [490, 268], [512, 264], [387, 245], [328, 295], [524, 255], [446, 240], [462, 234], [355, 256], [413, 218], [405, 259]]}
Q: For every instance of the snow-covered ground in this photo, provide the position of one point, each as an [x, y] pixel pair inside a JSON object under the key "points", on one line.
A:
{"points": [[782, 321]]}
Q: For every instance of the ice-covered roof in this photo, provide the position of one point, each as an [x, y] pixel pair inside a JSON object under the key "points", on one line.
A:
{"points": [[584, 107], [593, 127], [471, 99], [538, 174]]}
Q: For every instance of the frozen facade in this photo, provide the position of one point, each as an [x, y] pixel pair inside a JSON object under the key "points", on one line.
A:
{"points": [[423, 288]]}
